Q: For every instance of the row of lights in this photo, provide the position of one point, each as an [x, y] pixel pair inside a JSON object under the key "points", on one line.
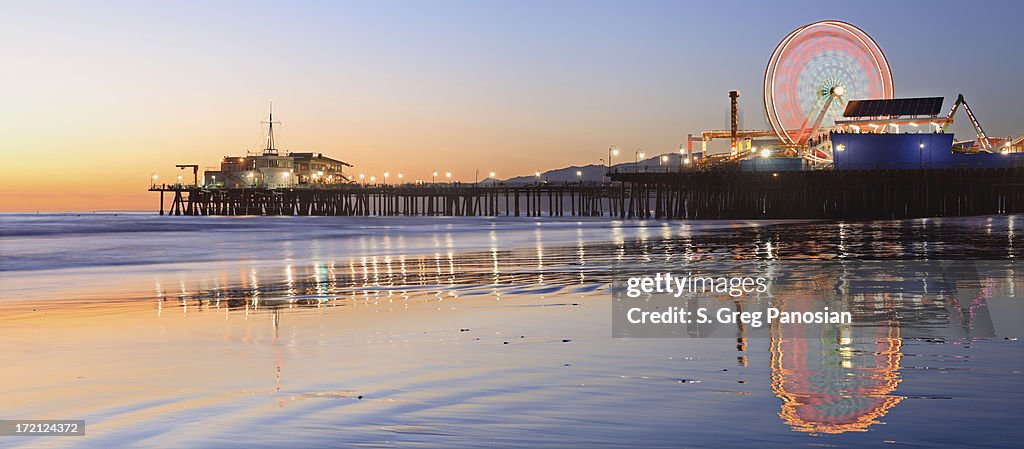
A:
{"points": [[639, 154], [612, 151], [1005, 150], [434, 174]]}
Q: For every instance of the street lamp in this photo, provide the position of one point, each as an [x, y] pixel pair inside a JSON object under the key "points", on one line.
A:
{"points": [[386, 174], [448, 175], [664, 159], [494, 180], [433, 177], [400, 176], [362, 178], [154, 179], [579, 175], [373, 179], [612, 151], [636, 158]]}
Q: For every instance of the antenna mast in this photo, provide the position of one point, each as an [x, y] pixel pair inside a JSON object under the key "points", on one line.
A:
{"points": [[270, 149]]}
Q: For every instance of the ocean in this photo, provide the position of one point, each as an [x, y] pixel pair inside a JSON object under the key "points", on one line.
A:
{"points": [[263, 332]]}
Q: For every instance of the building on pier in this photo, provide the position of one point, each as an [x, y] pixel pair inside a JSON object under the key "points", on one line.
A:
{"points": [[273, 170], [315, 168], [264, 170]]}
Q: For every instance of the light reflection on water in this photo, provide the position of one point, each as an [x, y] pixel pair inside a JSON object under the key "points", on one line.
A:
{"points": [[511, 346], [841, 381]]}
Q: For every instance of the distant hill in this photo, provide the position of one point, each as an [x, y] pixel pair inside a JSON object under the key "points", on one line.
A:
{"points": [[594, 173]]}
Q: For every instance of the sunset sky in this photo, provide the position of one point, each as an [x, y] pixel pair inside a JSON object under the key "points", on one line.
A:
{"points": [[99, 95]]}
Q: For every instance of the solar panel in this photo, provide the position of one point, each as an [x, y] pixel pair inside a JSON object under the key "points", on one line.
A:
{"points": [[894, 107]]}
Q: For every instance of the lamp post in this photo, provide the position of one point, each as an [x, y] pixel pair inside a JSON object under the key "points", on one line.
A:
{"points": [[579, 176], [537, 175], [612, 151], [400, 177], [448, 175], [433, 177], [386, 175], [921, 155], [639, 153], [362, 178], [154, 180]]}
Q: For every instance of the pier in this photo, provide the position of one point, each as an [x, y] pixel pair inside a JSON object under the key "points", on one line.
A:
{"points": [[697, 194], [395, 200]]}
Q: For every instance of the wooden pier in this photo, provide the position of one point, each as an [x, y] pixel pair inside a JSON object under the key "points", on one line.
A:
{"points": [[711, 194], [402, 200]]}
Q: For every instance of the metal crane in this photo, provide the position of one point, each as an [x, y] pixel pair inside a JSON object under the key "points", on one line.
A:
{"points": [[983, 140], [195, 172]]}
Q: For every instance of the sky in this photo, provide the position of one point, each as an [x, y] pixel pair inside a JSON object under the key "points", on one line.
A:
{"points": [[98, 96]]}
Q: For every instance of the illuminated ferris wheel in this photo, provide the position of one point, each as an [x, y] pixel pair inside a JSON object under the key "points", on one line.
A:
{"points": [[812, 74]]}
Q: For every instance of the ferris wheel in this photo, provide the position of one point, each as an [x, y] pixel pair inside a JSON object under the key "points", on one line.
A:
{"points": [[814, 71]]}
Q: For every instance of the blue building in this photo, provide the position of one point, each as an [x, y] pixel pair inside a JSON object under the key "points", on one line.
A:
{"points": [[870, 151]]}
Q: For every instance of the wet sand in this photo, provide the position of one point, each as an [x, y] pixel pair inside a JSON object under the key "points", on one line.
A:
{"points": [[467, 333]]}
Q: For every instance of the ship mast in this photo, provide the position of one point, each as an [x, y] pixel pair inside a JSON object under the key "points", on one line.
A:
{"points": [[270, 149]]}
